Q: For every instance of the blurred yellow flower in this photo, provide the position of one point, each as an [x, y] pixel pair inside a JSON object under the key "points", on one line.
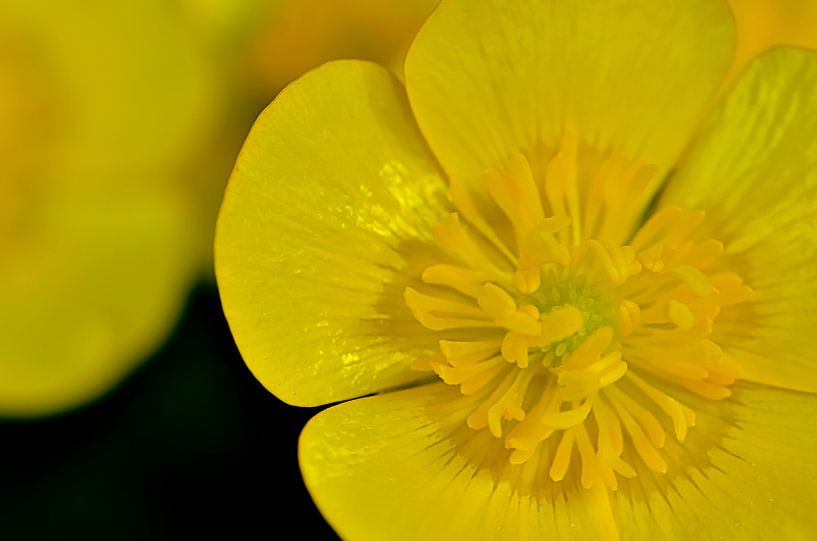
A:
{"points": [[119, 123], [94, 234], [572, 332]]}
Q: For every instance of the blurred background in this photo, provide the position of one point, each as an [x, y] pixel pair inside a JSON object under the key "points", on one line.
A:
{"points": [[125, 409]]}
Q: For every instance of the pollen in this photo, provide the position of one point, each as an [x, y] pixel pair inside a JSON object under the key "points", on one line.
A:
{"points": [[576, 336]]}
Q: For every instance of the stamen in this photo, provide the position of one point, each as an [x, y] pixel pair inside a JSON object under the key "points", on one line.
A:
{"points": [[504, 403], [610, 436], [629, 315], [465, 205], [558, 325], [451, 235], [464, 353], [591, 349], [680, 314], [466, 281], [561, 460], [440, 314], [496, 301], [516, 194], [645, 419], [561, 184], [590, 471], [565, 419], [521, 321], [682, 417], [470, 378], [529, 433], [578, 384], [645, 449], [695, 279], [559, 330], [538, 248], [515, 349]]}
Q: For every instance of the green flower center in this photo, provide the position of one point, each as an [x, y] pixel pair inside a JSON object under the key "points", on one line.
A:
{"points": [[594, 298]]}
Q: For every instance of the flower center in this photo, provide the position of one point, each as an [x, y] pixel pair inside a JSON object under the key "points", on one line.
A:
{"points": [[577, 345], [563, 292]]}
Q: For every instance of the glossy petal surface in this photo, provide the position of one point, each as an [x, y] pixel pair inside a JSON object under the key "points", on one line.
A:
{"points": [[404, 463], [331, 200], [754, 172]]}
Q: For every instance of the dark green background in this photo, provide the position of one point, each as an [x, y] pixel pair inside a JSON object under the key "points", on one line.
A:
{"points": [[189, 444]]}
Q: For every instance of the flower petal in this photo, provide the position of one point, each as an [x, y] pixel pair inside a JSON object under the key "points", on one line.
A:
{"points": [[129, 86], [88, 291], [755, 481], [492, 78], [754, 172], [333, 194], [404, 465]]}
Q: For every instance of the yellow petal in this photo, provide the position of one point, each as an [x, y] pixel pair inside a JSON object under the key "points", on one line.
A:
{"points": [[404, 465], [99, 108], [490, 79], [754, 172], [131, 85], [91, 292], [333, 197], [750, 474]]}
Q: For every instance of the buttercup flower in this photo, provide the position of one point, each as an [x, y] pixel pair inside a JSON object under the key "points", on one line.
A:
{"points": [[580, 292]]}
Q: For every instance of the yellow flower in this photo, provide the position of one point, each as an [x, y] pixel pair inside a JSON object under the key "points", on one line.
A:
{"points": [[94, 234], [570, 330]]}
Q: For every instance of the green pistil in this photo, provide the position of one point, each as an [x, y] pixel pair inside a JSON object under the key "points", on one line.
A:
{"points": [[595, 301]]}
